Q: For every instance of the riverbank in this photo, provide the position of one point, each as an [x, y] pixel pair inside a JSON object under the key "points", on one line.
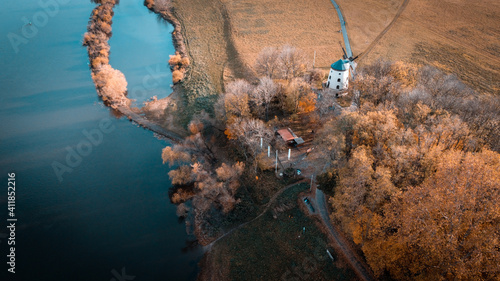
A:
{"points": [[156, 115]]}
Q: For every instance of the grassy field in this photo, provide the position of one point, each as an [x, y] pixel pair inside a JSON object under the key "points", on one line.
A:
{"points": [[275, 248], [457, 36], [223, 37], [309, 25], [206, 30]]}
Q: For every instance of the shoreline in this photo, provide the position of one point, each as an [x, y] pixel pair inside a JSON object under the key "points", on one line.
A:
{"points": [[150, 125], [96, 39]]}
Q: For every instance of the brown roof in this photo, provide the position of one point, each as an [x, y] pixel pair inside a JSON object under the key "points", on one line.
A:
{"points": [[285, 134]]}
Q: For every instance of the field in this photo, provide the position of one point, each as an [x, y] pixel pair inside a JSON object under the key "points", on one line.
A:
{"points": [[275, 248], [457, 36], [206, 28], [309, 25], [225, 38]]}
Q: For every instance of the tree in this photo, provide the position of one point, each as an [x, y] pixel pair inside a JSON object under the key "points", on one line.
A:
{"points": [[175, 155], [182, 176], [295, 89], [307, 103], [267, 63], [247, 133], [325, 103], [287, 62], [236, 98], [448, 227], [293, 63], [264, 93], [111, 85]]}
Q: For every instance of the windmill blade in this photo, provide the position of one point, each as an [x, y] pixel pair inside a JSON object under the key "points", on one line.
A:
{"points": [[352, 59], [345, 55], [353, 66]]}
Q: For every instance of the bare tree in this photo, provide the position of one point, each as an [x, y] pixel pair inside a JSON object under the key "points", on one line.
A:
{"points": [[264, 93], [325, 104], [248, 133], [295, 89], [268, 62], [236, 98], [293, 62]]}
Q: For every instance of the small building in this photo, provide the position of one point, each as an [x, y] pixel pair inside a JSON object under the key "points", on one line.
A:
{"points": [[338, 78], [289, 137]]}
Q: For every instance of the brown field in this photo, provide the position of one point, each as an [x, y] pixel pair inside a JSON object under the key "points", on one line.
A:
{"points": [[225, 36], [309, 25], [457, 36], [207, 32]]}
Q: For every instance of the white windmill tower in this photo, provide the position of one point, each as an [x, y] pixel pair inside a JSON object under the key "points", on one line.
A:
{"points": [[338, 78]]}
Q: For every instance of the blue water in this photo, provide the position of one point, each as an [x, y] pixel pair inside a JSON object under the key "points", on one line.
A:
{"points": [[139, 50], [111, 210]]}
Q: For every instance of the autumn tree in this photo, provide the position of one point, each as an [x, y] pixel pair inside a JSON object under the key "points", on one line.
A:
{"points": [[182, 175], [263, 94], [215, 191], [248, 133], [294, 91], [325, 104], [446, 228], [267, 63], [236, 99], [286, 63], [111, 85], [307, 103], [408, 177], [293, 62]]}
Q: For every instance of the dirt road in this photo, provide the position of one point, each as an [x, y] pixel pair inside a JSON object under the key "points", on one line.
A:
{"points": [[361, 268], [374, 42]]}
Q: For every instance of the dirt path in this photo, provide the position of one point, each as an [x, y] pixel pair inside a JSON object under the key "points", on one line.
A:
{"points": [[152, 126], [359, 267], [377, 39], [268, 205]]}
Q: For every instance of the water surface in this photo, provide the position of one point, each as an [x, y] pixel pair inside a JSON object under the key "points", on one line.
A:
{"points": [[112, 210]]}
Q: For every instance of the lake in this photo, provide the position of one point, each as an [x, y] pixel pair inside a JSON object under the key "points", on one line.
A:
{"points": [[104, 209]]}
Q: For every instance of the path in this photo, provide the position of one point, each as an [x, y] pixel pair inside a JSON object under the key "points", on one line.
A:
{"points": [[152, 126], [356, 262], [268, 205], [374, 42], [344, 31]]}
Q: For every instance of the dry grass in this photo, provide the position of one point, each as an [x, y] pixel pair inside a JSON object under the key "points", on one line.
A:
{"points": [[456, 36], [224, 37], [207, 30], [308, 25]]}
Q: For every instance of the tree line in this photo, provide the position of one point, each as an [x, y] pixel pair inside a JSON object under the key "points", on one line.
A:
{"points": [[415, 174], [110, 83]]}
